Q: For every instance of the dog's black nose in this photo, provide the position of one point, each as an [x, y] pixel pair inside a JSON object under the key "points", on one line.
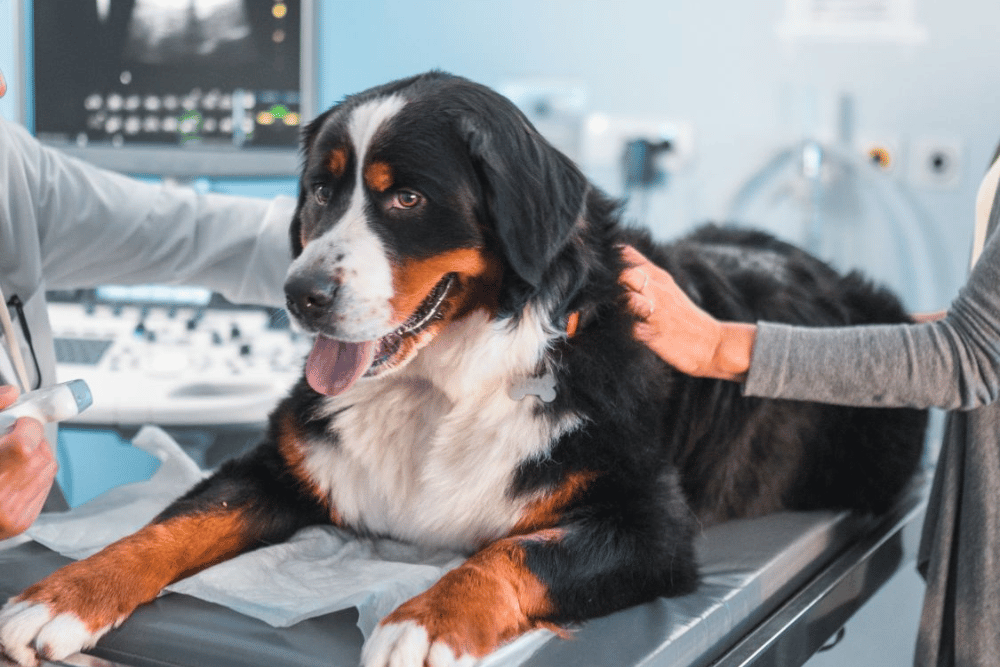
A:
{"points": [[310, 295]]}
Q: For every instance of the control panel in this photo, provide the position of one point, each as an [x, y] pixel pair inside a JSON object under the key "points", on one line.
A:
{"points": [[176, 364]]}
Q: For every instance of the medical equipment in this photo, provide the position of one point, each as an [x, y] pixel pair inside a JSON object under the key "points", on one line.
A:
{"points": [[847, 212], [50, 404], [16, 358], [199, 361], [184, 90]]}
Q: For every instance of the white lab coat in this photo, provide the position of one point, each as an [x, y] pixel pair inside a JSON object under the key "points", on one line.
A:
{"points": [[65, 224]]}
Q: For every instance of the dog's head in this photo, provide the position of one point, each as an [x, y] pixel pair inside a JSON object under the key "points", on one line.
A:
{"points": [[420, 201]]}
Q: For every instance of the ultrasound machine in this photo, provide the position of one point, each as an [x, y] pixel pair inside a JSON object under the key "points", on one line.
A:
{"points": [[182, 358], [205, 93], [193, 89], [214, 92]]}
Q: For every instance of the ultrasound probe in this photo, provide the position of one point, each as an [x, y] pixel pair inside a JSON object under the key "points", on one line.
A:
{"points": [[51, 404]]}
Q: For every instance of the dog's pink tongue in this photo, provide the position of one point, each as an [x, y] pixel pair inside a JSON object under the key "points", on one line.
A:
{"points": [[334, 365]]}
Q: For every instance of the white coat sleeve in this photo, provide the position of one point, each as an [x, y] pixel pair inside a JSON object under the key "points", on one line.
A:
{"points": [[98, 227]]}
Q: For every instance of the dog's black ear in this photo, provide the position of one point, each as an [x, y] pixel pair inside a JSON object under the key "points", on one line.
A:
{"points": [[295, 229], [534, 194], [307, 141]]}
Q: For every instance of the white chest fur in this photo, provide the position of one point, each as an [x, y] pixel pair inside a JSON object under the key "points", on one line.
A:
{"points": [[427, 454]]}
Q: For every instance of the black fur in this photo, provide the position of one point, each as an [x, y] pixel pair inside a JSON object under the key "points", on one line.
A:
{"points": [[665, 450]]}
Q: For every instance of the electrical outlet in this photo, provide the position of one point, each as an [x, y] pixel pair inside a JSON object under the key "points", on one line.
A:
{"points": [[936, 163], [606, 137], [883, 155]]}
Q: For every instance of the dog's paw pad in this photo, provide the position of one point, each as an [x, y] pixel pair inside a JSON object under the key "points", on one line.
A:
{"points": [[29, 630], [408, 645]]}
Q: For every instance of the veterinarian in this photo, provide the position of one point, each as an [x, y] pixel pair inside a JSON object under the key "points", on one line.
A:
{"points": [[949, 361], [65, 224]]}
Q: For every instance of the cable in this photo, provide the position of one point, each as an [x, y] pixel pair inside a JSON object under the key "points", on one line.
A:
{"points": [[15, 351]]}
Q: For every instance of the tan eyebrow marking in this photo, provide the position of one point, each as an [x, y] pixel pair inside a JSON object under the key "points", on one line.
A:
{"points": [[378, 176], [336, 162]]}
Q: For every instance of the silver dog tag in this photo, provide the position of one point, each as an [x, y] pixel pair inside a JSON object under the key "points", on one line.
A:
{"points": [[544, 387]]}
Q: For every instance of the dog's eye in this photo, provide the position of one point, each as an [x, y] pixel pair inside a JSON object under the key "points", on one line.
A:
{"points": [[322, 194], [406, 199]]}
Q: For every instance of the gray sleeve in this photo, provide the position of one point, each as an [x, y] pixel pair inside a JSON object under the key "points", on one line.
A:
{"points": [[953, 363]]}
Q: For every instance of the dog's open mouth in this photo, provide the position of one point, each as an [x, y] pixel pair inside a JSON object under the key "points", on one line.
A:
{"points": [[334, 365]]}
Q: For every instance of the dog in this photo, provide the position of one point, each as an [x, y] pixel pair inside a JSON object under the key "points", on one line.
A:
{"points": [[475, 384]]}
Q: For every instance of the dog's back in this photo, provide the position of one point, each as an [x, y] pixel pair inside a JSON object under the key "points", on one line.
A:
{"points": [[744, 456]]}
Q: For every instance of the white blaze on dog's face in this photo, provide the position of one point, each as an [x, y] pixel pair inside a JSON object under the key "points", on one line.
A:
{"points": [[390, 250]]}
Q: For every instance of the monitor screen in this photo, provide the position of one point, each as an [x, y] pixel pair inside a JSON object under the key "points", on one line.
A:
{"points": [[182, 88]]}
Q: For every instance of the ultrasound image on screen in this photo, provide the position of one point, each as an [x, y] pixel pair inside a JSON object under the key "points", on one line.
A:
{"points": [[167, 32], [169, 72]]}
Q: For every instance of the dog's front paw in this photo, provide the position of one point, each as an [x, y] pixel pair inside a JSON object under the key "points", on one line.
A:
{"points": [[409, 644], [30, 630], [68, 611], [470, 612]]}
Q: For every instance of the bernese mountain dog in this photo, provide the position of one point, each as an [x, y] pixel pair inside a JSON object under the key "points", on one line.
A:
{"points": [[475, 384]]}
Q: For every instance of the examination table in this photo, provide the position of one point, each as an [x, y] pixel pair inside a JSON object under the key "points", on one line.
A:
{"points": [[773, 591]]}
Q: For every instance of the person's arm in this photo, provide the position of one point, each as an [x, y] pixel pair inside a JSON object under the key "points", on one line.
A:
{"points": [[681, 333], [97, 227], [953, 362], [27, 470]]}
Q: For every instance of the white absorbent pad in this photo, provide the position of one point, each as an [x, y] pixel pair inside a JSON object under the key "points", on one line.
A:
{"points": [[321, 569]]}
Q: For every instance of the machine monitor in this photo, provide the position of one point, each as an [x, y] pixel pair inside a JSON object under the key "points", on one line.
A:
{"points": [[175, 88]]}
